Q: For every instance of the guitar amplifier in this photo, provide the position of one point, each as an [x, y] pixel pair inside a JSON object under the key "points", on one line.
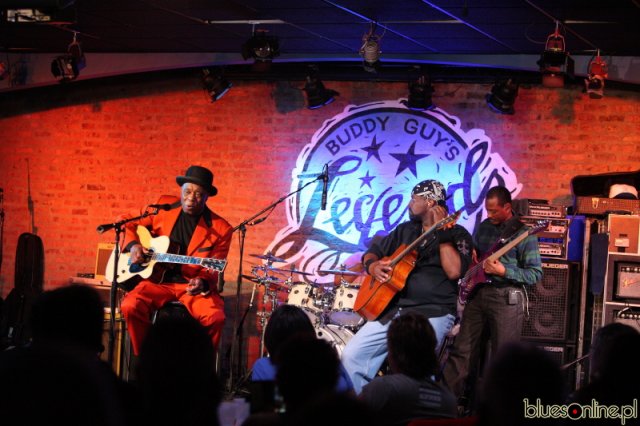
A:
{"points": [[538, 208], [553, 241], [102, 257]]}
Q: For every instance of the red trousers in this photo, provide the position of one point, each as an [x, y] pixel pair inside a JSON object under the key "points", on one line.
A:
{"points": [[140, 303]]}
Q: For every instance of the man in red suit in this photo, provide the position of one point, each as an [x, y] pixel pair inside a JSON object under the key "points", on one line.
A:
{"points": [[194, 230]]}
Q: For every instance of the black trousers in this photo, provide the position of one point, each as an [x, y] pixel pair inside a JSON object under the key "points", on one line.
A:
{"points": [[491, 309]]}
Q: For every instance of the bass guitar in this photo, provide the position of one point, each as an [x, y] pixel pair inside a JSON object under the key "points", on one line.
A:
{"points": [[475, 274], [157, 253], [374, 296]]}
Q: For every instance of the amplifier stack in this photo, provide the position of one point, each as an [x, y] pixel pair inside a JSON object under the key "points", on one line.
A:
{"points": [[554, 241]]}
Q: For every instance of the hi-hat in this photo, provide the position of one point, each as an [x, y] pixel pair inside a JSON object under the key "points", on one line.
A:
{"points": [[271, 282], [268, 257], [339, 272]]}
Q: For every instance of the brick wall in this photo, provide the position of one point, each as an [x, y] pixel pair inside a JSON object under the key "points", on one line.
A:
{"points": [[73, 157]]}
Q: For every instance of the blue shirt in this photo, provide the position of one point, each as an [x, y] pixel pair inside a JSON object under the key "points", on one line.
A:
{"points": [[264, 370]]}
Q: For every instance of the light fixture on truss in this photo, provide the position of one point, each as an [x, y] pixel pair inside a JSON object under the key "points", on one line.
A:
{"points": [[597, 74], [370, 50]]}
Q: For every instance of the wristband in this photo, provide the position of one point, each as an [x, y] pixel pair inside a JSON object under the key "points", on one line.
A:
{"points": [[368, 263]]}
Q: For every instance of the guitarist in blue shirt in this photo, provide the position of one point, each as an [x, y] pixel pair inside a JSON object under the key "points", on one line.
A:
{"points": [[497, 304]]}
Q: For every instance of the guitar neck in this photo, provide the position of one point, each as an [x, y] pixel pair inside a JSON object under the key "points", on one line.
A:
{"points": [[508, 246], [451, 218], [178, 258]]}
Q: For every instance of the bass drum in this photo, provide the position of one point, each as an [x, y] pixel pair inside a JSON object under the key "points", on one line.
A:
{"points": [[336, 335]]}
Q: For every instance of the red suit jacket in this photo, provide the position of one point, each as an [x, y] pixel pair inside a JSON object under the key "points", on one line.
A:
{"points": [[211, 238]]}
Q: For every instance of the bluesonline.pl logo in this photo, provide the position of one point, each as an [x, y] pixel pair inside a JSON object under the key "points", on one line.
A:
{"points": [[575, 411]]}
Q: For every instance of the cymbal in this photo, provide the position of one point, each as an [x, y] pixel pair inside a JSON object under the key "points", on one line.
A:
{"points": [[268, 257], [339, 272], [290, 271]]}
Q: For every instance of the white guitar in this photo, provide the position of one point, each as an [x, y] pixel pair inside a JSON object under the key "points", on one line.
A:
{"points": [[157, 248]]}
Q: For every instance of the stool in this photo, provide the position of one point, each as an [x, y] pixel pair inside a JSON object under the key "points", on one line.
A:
{"points": [[175, 309]]}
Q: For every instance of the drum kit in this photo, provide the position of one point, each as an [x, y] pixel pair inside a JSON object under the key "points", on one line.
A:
{"points": [[329, 306]]}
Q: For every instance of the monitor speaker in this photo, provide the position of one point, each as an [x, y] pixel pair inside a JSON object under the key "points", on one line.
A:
{"points": [[553, 303]]}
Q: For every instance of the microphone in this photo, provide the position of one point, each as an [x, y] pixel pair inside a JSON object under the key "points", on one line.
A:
{"points": [[257, 221], [105, 227], [160, 206], [325, 181]]}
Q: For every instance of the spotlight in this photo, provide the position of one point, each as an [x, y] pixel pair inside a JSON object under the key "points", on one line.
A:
{"points": [[594, 83], [370, 50], [555, 61], [215, 85], [317, 95], [420, 92], [262, 48], [67, 67], [502, 97]]}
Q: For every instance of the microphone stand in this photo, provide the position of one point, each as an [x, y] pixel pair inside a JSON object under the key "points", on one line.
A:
{"points": [[118, 227], [238, 323]]}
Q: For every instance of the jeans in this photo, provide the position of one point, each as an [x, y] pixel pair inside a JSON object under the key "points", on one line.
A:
{"points": [[365, 352]]}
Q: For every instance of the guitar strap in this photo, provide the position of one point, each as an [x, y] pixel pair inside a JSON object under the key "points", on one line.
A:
{"points": [[511, 227]]}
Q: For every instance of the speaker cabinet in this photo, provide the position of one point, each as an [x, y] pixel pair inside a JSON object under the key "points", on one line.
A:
{"points": [[565, 356], [554, 303]]}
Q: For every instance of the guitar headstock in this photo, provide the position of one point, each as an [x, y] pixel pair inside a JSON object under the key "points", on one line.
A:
{"points": [[449, 221], [214, 264], [541, 225]]}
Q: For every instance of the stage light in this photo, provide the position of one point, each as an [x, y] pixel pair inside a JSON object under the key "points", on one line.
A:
{"points": [[598, 72], [420, 91], [215, 84], [370, 50], [317, 95], [555, 61], [67, 67], [262, 48], [502, 97]]}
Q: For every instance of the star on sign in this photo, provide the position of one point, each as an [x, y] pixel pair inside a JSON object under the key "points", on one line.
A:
{"points": [[408, 160], [366, 180], [373, 149]]}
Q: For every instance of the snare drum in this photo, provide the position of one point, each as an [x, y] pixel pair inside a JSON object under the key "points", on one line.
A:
{"points": [[336, 335], [342, 312], [304, 296]]}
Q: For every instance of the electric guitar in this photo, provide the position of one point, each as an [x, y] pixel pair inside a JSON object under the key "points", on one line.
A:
{"points": [[374, 296], [157, 248], [475, 274]]}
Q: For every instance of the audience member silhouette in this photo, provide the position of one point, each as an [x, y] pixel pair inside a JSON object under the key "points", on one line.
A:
{"points": [[58, 378], [614, 372], [336, 409], [410, 391], [518, 374], [307, 370], [177, 378], [288, 321]]}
